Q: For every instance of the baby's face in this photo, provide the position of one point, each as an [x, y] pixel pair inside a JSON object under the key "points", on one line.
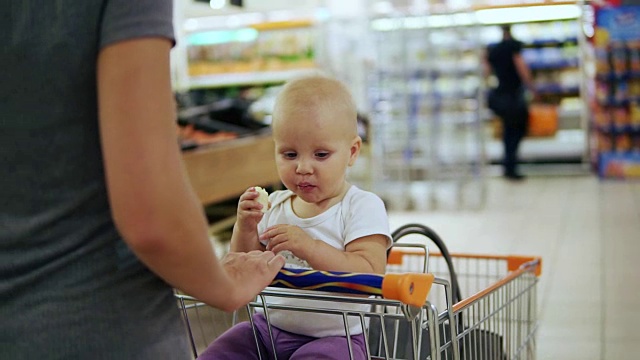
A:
{"points": [[314, 148]]}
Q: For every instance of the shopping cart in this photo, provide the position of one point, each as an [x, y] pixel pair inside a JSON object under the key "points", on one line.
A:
{"points": [[498, 321]]}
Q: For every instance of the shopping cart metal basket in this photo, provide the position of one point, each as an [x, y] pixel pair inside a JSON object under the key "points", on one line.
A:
{"points": [[497, 321], [498, 318], [399, 297]]}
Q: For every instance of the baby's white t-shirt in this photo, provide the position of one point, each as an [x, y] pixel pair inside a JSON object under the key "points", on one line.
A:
{"points": [[360, 213]]}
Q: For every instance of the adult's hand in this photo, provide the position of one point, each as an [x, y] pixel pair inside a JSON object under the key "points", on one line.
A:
{"points": [[251, 272]]}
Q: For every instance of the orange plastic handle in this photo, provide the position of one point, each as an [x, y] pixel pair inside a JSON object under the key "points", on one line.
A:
{"points": [[411, 289]]}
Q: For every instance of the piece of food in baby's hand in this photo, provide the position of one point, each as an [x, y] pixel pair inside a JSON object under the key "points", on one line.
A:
{"points": [[263, 198]]}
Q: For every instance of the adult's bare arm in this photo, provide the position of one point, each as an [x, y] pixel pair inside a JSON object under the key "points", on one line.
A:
{"points": [[523, 70], [152, 202], [486, 66]]}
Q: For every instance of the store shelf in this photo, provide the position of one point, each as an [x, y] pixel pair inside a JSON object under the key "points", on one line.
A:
{"points": [[245, 79], [613, 76], [566, 145], [542, 42], [558, 90], [554, 65], [620, 165], [615, 105]]}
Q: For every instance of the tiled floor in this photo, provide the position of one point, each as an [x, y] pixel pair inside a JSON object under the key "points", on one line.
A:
{"points": [[588, 234]]}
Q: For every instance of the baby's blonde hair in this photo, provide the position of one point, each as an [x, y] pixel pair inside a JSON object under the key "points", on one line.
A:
{"points": [[314, 92]]}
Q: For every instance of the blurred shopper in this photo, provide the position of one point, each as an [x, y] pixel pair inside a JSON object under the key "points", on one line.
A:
{"points": [[98, 221], [509, 100]]}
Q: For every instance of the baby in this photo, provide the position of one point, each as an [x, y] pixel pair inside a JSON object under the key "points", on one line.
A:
{"points": [[320, 222]]}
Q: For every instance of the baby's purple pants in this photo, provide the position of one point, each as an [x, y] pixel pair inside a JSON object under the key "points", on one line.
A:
{"points": [[238, 343]]}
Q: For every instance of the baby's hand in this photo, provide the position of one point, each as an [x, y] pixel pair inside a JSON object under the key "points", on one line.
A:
{"points": [[250, 209], [288, 237]]}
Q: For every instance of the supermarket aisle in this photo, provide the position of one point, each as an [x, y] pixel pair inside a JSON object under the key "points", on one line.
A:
{"points": [[588, 233]]}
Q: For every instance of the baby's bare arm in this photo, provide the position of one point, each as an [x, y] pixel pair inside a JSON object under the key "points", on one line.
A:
{"points": [[365, 255]]}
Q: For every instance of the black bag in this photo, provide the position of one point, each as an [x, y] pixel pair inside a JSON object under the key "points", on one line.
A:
{"points": [[511, 107], [481, 344], [478, 343]]}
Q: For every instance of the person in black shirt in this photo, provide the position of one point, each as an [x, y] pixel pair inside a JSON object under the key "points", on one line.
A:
{"points": [[509, 99]]}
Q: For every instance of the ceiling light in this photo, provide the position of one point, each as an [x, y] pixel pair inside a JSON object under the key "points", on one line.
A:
{"points": [[527, 14]]}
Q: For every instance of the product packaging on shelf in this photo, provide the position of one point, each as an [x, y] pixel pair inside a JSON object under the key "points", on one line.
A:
{"points": [[616, 112]]}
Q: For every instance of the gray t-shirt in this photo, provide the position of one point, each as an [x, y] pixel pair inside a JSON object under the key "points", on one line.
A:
{"points": [[69, 286]]}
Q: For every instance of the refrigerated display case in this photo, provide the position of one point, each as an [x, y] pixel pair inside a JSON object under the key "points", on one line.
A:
{"points": [[425, 91], [255, 54], [241, 46]]}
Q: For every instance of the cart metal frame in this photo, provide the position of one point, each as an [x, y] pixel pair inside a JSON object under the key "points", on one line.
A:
{"points": [[499, 321]]}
